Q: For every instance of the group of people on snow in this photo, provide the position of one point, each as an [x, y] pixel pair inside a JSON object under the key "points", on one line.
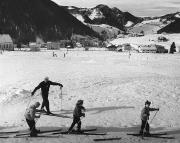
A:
{"points": [[78, 112]]}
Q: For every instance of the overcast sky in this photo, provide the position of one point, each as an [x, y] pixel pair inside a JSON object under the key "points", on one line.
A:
{"points": [[136, 7]]}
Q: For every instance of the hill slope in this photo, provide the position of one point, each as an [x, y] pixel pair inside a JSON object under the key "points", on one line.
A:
{"points": [[25, 20], [152, 25], [173, 27]]}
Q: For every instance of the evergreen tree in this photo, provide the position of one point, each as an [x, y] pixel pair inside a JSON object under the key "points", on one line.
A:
{"points": [[172, 48]]}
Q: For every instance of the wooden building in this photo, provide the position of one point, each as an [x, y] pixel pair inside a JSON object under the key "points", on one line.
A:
{"points": [[53, 45], [147, 49], [6, 42]]}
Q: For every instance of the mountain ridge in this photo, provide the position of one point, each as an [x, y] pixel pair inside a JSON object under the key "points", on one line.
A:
{"points": [[102, 14]]}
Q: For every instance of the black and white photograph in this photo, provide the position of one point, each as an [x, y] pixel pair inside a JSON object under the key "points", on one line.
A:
{"points": [[89, 71]]}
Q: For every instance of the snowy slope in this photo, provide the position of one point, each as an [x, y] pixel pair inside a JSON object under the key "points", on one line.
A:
{"points": [[152, 25], [154, 21], [148, 26]]}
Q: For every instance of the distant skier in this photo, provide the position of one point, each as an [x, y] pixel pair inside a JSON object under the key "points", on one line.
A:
{"points": [[45, 85], [129, 54], [54, 54], [78, 112], [30, 116], [145, 113]]}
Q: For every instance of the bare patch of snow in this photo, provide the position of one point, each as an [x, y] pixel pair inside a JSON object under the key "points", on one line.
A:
{"points": [[79, 17], [129, 24], [70, 7], [177, 15], [96, 14]]}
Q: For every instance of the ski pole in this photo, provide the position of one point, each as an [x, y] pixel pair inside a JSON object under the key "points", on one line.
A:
{"points": [[153, 117], [61, 99]]}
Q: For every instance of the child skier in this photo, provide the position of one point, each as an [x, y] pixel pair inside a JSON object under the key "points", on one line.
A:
{"points": [[78, 112], [145, 113], [30, 116]]}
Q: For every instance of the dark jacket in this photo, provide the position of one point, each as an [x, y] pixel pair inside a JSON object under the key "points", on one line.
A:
{"points": [[145, 113], [78, 111], [45, 87]]}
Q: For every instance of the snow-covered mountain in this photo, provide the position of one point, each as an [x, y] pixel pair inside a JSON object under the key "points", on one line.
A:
{"points": [[104, 19], [102, 14]]}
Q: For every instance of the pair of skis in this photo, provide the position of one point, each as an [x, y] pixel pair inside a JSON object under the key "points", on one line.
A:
{"points": [[50, 133], [56, 134], [17, 134], [153, 135]]}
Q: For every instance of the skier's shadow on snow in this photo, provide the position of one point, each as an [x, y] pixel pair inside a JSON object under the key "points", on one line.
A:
{"points": [[122, 129], [60, 115], [98, 110]]}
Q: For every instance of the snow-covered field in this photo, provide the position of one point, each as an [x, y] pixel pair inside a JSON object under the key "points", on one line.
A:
{"points": [[113, 87]]}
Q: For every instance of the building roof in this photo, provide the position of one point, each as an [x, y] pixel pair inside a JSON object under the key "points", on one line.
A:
{"points": [[148, 48], [5, 38]]}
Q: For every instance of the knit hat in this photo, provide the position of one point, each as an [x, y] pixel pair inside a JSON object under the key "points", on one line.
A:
{"points": [[79, 102], [147, 102], [37, 104]]}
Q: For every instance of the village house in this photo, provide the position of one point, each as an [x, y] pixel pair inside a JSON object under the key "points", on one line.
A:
{"points": [[161, 49], [34, 46], [147, 49], [126, 47], [53, 45], [6, 43]]}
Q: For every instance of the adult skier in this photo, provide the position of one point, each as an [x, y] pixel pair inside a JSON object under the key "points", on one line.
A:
{"points": [[45, 85]]}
